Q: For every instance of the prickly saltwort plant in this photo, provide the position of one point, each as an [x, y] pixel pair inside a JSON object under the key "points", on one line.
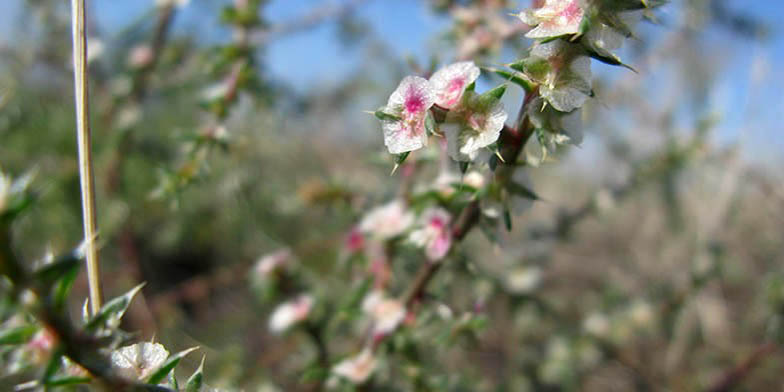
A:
{"points": [[470, 127], [444, 112], [234, 66]]}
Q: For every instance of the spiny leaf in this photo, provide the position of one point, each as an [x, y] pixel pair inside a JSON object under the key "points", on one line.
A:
{"points": [[521, 190], [114, 308], [195, 380], [399, 159], [495, 93], [507, 219], [512, 76], [464, 167], [66, 381], [17, 335], [167, 367], [62, 265], [384, 116]]}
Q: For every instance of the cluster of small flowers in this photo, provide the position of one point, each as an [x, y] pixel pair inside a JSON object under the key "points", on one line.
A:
{"points": [[556, 75], [482, 27], [472, 121]]}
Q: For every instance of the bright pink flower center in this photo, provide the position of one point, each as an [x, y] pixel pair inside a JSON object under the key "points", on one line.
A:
{"points": [[573, 13], [437, 223], [415, 102], [355, 241]]}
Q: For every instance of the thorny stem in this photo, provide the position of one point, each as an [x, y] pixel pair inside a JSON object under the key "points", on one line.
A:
{"points": [[80, 347], [513, 141], [86, 176]]}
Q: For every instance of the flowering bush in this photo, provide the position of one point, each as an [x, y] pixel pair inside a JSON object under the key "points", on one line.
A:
{"points": [[354, 281]]}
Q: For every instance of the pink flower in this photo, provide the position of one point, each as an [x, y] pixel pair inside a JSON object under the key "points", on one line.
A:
{"points": [[435, 235], [387, 221], [553, 18], [387, 313], [270, 263], [409, 105], [140, 56], [290, 313], [356, 369], [355, 241], [450, 82]]}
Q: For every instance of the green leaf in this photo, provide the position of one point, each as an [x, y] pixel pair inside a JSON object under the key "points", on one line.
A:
{"points": [[507, 219], [113, 309], [53, 365], [48, 274], [17, 335], [494, 95], [464, 166], [512, 76], [195, 380], [66, 381], [430, 124], [384, 116], [173, 381], [167, 367], [609, 58], [521, 190]]}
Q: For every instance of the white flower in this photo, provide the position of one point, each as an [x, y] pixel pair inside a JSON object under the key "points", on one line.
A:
{"points": [[472, 126], [474, 179], [524, 280], [139, 361], [172, 3], [409, 103], [564, 74], [641, 314], [553, 18], [597, 324], [215, 91], [435, 234], [387, 221], [95, 49], [356, 369], [387, 313], [290, 313], [450, 82], [140, 56], [270, 263]]}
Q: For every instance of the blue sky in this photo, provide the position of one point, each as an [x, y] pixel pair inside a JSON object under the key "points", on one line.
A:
{"points": [[316, 58]]}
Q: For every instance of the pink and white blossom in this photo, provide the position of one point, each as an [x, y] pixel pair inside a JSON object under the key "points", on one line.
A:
{"points": [[141, 56], [409, 103], [553, 18], [270, 263], [471, 127], [358, 368], [290, 313], [435, 235], [450, 82], [387, 221], [386, 313]]}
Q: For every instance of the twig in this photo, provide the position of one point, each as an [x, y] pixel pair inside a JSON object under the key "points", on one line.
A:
{"points": [[309, 20], [734, 376], [86, 175]]}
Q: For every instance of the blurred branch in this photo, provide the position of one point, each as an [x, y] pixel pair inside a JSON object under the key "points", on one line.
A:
{"points": [[734, 376], [308, 21]]}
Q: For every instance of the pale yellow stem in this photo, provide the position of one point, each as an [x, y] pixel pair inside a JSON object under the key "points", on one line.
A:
{"points": [[86, 176]]}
